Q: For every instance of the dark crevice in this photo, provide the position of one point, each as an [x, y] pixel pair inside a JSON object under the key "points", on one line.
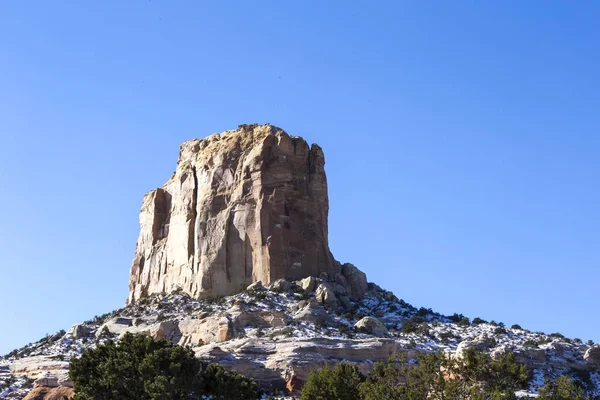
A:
{"points": [[192, 233], [227, 261]]}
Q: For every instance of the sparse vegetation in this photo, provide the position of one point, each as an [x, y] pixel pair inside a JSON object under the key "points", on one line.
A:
{"points": [[137, 367], [475, 376], [500, 331], [563, 388]]}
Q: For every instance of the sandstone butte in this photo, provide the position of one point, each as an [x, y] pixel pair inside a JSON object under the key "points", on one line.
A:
{"points": [[243, 206]]}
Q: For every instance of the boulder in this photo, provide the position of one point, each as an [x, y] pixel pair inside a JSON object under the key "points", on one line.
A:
{"points": [[116, 326], [340, 280], [338, 289], [213, 329], [167, 330], [65, 381], [245, 205], [308, 284], [315, 314], [592, 355], [280, 285], [345, 302], [325, 294], [77, 331], [371, 326], [480, 343], [47, 380], [255, 286], [356, 281]]}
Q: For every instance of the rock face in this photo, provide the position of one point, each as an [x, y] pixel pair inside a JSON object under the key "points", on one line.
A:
{"points": [[242, 206], [592, 355], [49, 393], [371, 326]]}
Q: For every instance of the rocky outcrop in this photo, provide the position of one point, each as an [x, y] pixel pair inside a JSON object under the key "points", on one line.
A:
{"points": [[77, 331], [291, 360], [242, 206], [371, 326], [592, 355], [480, 343], [50, 393], [355, 281], [324, 294]]}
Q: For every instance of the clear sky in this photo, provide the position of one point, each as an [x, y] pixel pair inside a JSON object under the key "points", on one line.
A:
{"points": [[462, 143]]}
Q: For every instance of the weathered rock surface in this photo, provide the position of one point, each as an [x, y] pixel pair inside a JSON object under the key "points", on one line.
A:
{"points": [[592, 355], [277, 336], [480, 343], [77, 331], [47, 380], [49, 393], [325, 294], [356, 281], [308, 284], [39, 366], [243, 206], [371, 326]]}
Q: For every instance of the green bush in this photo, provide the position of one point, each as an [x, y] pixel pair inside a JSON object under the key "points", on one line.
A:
{"points": [[562, 388], [137, 367], [474, 376], [415, 324], [338, 383], [500, 331]]}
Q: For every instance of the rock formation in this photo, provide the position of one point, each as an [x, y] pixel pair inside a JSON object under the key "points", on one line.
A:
{"points": [[243, 206]]}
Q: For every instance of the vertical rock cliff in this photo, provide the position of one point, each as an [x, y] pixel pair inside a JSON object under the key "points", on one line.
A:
{"points": [[242, 206]]}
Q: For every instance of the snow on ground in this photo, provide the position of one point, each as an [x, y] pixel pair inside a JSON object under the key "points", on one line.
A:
{"points": [[416, 329]]}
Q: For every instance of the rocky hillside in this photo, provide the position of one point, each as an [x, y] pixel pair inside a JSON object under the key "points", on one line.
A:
{"points": [[277, 333], [233, 260]]}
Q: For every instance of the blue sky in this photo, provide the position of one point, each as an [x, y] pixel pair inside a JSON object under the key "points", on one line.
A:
{"points": [[461, 138]]}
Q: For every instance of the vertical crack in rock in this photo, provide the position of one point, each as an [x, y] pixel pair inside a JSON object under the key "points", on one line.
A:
{"points": [[257, 210], [192, 233]]}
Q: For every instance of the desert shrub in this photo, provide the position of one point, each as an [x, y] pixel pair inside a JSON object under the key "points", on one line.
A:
{"points": [[455, 317], [477, 321], [516, 326], [338, 383], [423, 312], [343, 328], [474, 376], [500, 331], [105, 333], [137, 367], [446, 337], [320, 323], [563, 388], [412, 324]]}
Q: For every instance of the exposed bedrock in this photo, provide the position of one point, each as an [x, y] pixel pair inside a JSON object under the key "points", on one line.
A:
{"points": [[242, 206]]}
